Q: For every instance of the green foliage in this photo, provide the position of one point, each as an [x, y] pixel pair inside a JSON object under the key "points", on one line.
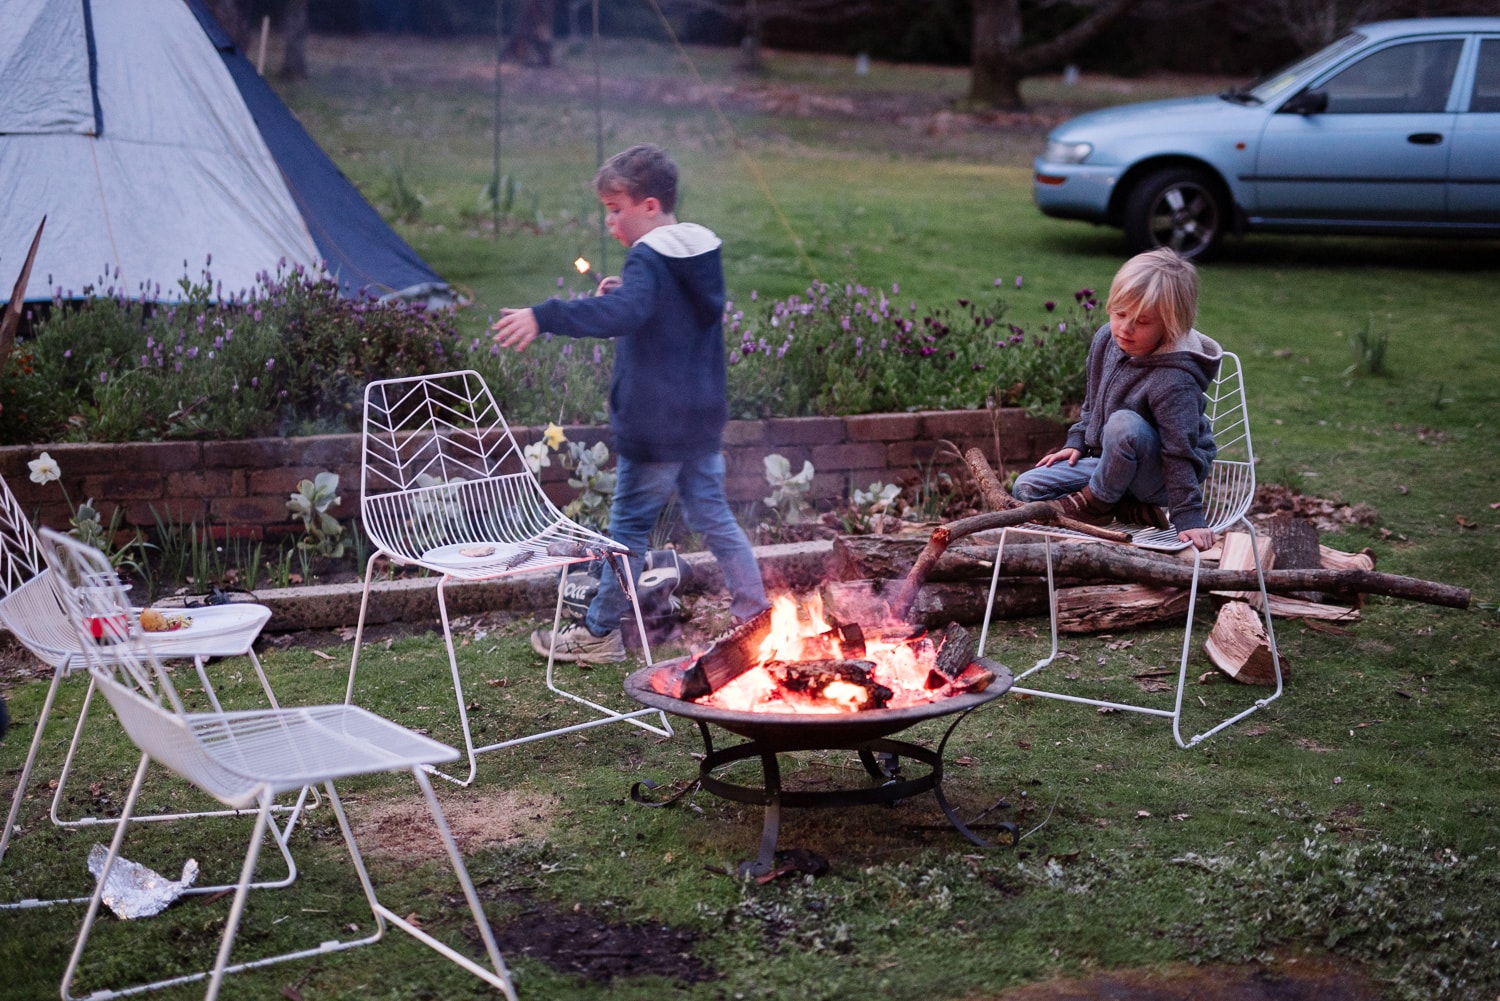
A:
{"points": [[1368, 345], [288, 356], [309, 504]]}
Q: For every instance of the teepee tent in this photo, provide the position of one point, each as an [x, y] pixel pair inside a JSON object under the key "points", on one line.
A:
{"points": [[156, 152]]}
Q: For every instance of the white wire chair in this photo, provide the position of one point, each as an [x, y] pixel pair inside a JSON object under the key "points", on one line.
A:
{"points": [[1227, 495], [445, 486], [32, 610], [244, 759]]}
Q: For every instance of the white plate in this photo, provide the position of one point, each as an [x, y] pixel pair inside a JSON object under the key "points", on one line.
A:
{"points": [[212, 620], [452, 555]]}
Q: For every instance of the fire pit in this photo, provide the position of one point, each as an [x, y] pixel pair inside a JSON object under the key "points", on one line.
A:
{"points": [[829, 688]]}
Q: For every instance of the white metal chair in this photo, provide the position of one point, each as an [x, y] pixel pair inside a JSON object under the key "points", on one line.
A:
{"points": [[245, 759], [1227, 496], [445, 486], [32, 610]]}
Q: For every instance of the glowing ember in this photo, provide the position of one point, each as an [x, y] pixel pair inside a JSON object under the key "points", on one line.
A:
{"points": [[582, 265], [800, 635]]}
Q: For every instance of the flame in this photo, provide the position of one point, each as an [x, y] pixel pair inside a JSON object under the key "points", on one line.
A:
{"points": [[582, 265], [801, 632]]}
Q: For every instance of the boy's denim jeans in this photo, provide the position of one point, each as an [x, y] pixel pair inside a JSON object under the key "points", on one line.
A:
{"points": [[642, 489], [1130, 463]]}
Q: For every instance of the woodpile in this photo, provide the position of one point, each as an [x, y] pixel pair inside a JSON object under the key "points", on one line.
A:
{"points": [[1100, 588]]}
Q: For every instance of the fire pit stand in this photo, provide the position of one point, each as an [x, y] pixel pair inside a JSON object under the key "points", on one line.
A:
{"points": [[867, 733]]}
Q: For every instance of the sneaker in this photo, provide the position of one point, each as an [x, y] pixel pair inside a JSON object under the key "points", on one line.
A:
{"points": [[1083, 506], [574, 642]]}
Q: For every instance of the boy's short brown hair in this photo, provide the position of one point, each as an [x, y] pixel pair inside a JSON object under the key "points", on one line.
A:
{"points": [[640, 172], [1160, 280]]}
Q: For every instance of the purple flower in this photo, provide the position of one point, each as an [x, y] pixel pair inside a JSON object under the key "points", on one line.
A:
{"points": [[254, 381], [1018, 281], [1049, 305], [103, 376], [270, 364]]}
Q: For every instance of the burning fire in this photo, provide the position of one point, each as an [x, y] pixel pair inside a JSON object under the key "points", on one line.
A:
{"points": [[800, 634]]}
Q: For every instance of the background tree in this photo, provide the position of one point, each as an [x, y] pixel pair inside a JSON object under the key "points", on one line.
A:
{"points": [[751, 17], [294, 41], [1001, 59], [530, 38]]}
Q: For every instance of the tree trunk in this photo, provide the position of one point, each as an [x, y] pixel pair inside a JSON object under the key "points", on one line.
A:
{"points": [[531, 38], [294, 50], [993, 76]]}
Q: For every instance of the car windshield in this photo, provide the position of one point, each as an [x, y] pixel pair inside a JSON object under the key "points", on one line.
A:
{"points": [[1276, 84]]}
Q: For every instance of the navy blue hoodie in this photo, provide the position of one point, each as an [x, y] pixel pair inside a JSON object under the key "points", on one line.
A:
{"points": [[668, 400]]}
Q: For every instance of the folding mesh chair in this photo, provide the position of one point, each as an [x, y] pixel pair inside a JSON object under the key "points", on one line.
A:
{"points": [[1227, 495], [244, 759], [445, 486], [32, 610]]}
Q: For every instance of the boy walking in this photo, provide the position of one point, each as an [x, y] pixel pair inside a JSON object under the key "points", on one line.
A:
{"points": [[1141, 439], [668, 401]]}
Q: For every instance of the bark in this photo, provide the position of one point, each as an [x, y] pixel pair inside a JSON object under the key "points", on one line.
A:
{"points": [[878, 556], [531, 39], [1000, 61]]}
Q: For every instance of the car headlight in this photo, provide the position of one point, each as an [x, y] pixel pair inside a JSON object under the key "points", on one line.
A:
{"points": [[1061, 152]]}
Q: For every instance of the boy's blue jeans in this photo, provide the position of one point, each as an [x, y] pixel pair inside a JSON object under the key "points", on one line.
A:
{"points": [[642, 489], [1130, 463]]}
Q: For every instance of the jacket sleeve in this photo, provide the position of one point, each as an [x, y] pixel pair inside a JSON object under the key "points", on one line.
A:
{"points": [[1177, 409], [619, 313]]}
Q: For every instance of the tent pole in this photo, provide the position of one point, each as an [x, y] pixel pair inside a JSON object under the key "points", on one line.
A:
{"points": [[599, 139], [495, 170]]}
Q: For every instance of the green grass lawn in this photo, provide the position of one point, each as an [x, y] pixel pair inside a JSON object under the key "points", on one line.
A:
{"points": [[1356, 816]]}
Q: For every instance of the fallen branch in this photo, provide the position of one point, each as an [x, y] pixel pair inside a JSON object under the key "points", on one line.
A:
{"points": [[857, 557]]}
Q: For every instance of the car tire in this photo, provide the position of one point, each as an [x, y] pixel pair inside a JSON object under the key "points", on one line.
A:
{"points": [[1178, 207]]}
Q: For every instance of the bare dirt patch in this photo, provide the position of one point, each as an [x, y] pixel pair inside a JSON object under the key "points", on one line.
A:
{"points": [[403, 830]]}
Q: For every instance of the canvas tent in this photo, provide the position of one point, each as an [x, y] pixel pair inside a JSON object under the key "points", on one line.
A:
{"points": [[156, 152]]}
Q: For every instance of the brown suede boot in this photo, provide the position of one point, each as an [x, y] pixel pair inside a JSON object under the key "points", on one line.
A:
{"points": [[1137, 512], [1085, 507]]}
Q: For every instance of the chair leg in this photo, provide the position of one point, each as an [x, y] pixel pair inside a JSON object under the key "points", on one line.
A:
{"points": [[458, 688], [31, 756], [359, 628], [497, 975]]}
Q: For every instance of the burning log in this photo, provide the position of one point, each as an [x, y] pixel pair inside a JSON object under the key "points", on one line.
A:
{"points": [[732, 655], [847, 684]]}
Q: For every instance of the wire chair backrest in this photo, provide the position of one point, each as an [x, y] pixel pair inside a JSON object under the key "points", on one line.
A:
{"points": [[442, 469], [1230, 488], [20, 553]]}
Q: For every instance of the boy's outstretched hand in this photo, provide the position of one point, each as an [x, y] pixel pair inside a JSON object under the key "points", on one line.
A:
{"points": [[516, 328]]}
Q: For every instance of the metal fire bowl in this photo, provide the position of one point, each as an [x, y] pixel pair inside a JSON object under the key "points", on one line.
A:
{"points": [[778, 732]]}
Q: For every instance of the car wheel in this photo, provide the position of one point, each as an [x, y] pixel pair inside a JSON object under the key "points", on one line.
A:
{"points": [[1178, 208]]}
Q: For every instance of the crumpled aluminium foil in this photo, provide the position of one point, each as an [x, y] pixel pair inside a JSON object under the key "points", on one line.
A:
{"points": [[134, 891]]}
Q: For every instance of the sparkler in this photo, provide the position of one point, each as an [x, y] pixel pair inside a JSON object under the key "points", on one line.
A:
{"points": [[586, 269]]}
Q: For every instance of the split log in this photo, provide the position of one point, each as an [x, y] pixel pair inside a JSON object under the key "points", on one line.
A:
{"points": [[1296, 608], [1337, 559], [869, 556], [1237, 645], [1235, 553], [1104, 608]]}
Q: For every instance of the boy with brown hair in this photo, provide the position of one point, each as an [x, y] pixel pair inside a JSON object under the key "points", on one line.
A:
{"points": [[668, 397], [1141, 440]]}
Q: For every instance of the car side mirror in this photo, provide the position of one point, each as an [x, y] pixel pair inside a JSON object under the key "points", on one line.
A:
{"points": [[1309, 102]]}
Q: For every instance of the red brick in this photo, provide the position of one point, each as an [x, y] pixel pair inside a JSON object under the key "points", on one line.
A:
{"points": [[882, 427], [744, 433], [260, 510], [122, 485], [786, 431], [206, 483], [837, 458], [955, 423]]}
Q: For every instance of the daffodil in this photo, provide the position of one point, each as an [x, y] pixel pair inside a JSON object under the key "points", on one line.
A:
{"points": [[44, 469], [554, 436], [536, 456]]}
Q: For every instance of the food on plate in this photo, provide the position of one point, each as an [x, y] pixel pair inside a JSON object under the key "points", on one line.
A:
{"points": [[153, 621], [475, 552]]}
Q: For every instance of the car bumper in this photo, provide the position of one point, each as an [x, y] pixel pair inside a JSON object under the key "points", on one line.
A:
{"points": [[1073, 190]]}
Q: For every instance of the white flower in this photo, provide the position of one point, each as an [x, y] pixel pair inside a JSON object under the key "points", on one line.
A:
{"points": [[537, 456], [44, 469]]}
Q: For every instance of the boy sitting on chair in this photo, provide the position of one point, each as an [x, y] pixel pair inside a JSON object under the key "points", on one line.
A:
{"points": [[668, 401], [1141, 440]]}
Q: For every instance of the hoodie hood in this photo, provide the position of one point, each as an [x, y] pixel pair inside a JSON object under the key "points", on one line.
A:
{"points": [[681, 239], [1195, 353]]}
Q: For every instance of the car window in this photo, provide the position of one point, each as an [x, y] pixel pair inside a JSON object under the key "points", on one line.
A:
{"points": [[1486, 95], [1272, 85], [1411, 78]]}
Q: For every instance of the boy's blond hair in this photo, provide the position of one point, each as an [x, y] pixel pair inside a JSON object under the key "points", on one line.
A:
{"points": [[640, 172], [1159, 280]]}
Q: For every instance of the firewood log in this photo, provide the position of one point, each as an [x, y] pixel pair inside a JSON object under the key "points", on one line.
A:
{"points": [[1237, 645]]}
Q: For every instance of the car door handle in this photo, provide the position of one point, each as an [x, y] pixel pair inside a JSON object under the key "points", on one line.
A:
{"points": [[1425, 138]]}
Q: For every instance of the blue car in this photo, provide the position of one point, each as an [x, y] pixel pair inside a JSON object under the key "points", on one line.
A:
{"points": [[1393, 129]]}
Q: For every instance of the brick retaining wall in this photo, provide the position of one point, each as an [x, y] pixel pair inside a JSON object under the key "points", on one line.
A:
{"points": [[243, 485]]}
